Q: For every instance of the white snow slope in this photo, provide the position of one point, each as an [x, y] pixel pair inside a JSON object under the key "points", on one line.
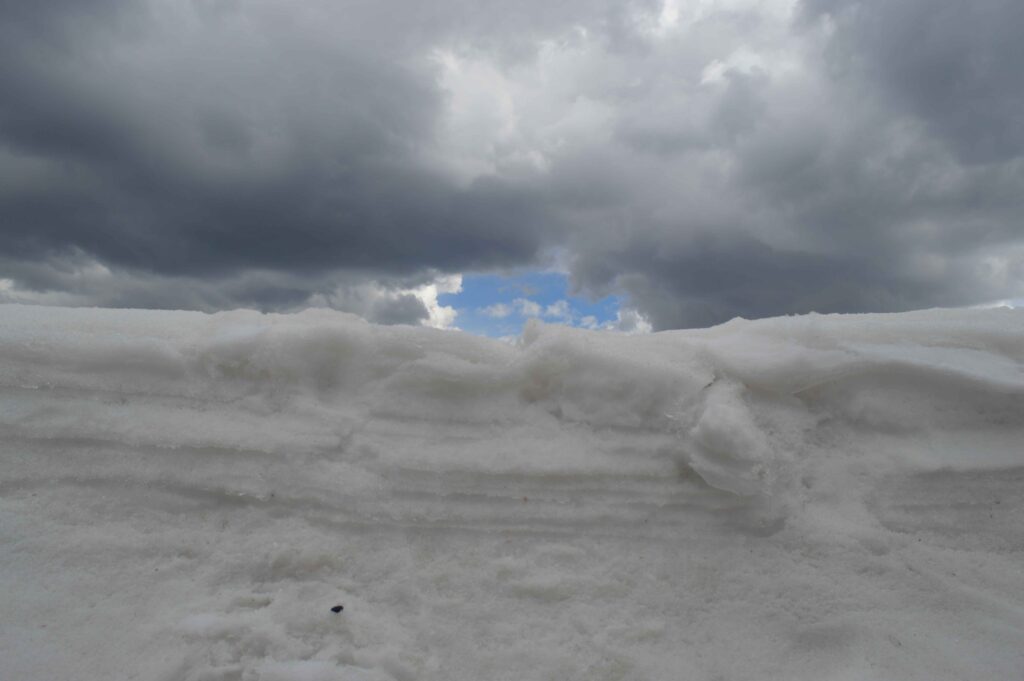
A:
{"points": [[186, 496]]}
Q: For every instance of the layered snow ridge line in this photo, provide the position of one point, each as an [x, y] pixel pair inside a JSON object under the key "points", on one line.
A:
{"points": [[190, 496]]}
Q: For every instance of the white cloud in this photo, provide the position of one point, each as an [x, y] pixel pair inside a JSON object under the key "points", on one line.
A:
{"points": [[480, 133], [441, 316], [626, 321], [559, 310], [497, 311], [527, 308], [631, 321]]}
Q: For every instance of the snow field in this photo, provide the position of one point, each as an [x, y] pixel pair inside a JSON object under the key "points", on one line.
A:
{"points": [[186, 496]]}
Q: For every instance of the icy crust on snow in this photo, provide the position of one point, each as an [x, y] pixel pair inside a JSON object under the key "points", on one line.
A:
{"points": [[185, 496]]}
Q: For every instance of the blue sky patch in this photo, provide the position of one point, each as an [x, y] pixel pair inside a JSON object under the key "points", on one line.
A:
{"points": [[496, 305]]}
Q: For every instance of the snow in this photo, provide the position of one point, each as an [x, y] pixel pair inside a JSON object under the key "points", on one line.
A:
{"points": [[186, 496]]}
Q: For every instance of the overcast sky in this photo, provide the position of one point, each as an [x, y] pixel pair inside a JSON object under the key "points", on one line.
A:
{"points": [[688, 161]]}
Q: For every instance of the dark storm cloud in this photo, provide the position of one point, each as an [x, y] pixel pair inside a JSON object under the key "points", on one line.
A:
{"points": [[957, 64], [707, 282], [303, 159], [706, 161]]}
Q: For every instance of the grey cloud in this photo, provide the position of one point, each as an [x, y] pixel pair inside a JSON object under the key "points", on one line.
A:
{"points": [[248, 145], [406, 309], [708, 282], [834, 188], [78, 279], [864, 155], [958, 64]]}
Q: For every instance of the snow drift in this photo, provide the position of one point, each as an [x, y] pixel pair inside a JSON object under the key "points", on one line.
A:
{"points": [[186, 496]]}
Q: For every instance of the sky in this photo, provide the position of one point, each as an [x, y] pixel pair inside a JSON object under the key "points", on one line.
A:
{"points": [[628, 165]]}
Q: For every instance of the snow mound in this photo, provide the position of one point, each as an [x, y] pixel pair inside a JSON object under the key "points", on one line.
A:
{"points": [[186, 496]]}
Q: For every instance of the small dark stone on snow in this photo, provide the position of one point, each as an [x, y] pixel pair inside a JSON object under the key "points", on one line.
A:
{"points": [[338, 608]]}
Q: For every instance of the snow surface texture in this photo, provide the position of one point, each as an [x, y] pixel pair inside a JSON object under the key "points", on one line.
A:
{"points": [[186, 496]]}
